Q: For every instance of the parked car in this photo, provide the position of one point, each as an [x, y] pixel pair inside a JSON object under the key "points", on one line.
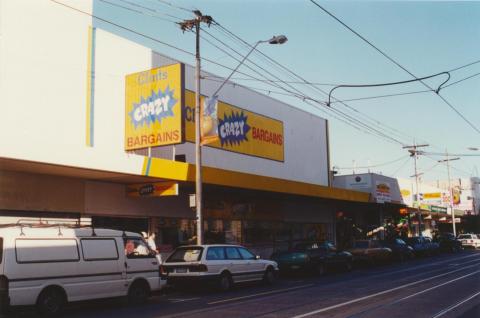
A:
{"points": [[433, 247], [222, 265], [469, 240], [370, 251], [422, 246], [317, 257], [400, 250], [448, 242], [50, 266]]}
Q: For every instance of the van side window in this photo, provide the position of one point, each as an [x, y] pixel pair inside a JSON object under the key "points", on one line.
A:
{"points": [[101, 249], [136, 247], [46, 250], [1, 249]]}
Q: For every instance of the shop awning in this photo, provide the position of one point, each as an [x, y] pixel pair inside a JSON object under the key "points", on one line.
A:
{"points": [[156, 169], [185, 172]]}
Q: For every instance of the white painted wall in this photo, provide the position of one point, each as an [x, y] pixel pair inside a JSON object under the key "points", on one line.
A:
{"points": [[43, 63]]}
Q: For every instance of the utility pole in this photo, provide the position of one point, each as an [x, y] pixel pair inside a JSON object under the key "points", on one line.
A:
{"points": [[414, 153], [194, 24], [447, 160]]}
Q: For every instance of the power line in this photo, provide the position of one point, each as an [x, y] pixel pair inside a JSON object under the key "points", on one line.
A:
{"points": [[463, 79], [463, 66], [136, 11], [389, 84], [205, 59], [398, 64], [147, 37], [401, 166], [374, 166], [174, 6], [299, 77], [151, 9], [299, 93]]}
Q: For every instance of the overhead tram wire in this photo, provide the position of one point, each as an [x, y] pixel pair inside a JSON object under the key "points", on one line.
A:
{"points": [[301, 94], [398, 64], [371, 130], [290, 72], [376, 165], [148, 37], [336, 84], [174, 6], [390, 84], [404, 163], [137, 11], [461, 80], [152, 10]]}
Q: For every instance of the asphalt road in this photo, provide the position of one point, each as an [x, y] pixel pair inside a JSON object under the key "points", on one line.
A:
{"points": [[447, 285]]}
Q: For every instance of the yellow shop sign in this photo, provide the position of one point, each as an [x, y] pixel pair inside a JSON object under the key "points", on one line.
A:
{"points": [[154, 102], [240, 130]]}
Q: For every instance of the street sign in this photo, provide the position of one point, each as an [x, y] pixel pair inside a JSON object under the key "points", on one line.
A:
{"points": [[193, 200]]}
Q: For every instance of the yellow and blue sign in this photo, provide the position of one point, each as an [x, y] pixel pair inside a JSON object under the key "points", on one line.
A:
{"points": [[154, 101], [240, 130]]}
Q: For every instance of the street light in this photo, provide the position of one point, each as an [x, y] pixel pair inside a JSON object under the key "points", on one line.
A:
{"points": [[280, 39]]}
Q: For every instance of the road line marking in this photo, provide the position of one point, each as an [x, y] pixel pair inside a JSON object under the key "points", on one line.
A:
{"points": [[259, 294], [378, 294], [443, 312], [435, 287], [179, 300], [419, 266]]}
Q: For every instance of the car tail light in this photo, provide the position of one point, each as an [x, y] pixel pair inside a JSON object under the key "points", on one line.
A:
{"points": [[198, 268], [163, 271]]}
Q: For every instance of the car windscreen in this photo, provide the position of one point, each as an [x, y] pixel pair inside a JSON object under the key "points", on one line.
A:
{"points": [[186, 254], [464, 236], [361, 244]]}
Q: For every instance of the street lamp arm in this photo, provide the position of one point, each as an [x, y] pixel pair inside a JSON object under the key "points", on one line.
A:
{"points": [[279, 39], [236, 68]]}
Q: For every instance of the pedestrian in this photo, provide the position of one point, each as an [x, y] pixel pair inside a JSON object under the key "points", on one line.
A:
{"points": [[151, 242]]}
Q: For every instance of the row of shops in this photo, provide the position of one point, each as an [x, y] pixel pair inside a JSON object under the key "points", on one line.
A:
{"points": [[124, 157]]}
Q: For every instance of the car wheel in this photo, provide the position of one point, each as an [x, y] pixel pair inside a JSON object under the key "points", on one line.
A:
{"points": [[138, 293], [269, 276], [320, 269], [225, 282], [51, 301]]}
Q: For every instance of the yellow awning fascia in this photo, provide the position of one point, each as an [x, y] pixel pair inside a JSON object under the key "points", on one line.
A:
{"points": [[180, 171]]}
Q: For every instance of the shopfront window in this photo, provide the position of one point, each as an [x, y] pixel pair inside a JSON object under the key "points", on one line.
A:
{"points": [[172, 232]]}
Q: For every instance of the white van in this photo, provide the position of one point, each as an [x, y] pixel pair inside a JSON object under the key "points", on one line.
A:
{"points": [[48, 266]]}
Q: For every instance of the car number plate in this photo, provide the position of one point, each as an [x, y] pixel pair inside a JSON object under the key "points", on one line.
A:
{"points": [[294, 267], [181, 270]]}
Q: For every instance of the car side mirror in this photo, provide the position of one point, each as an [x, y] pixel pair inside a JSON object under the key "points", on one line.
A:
{"points": [[257, 257]]}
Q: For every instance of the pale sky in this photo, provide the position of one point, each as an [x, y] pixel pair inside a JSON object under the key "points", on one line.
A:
{"points": [[424, 37]]}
